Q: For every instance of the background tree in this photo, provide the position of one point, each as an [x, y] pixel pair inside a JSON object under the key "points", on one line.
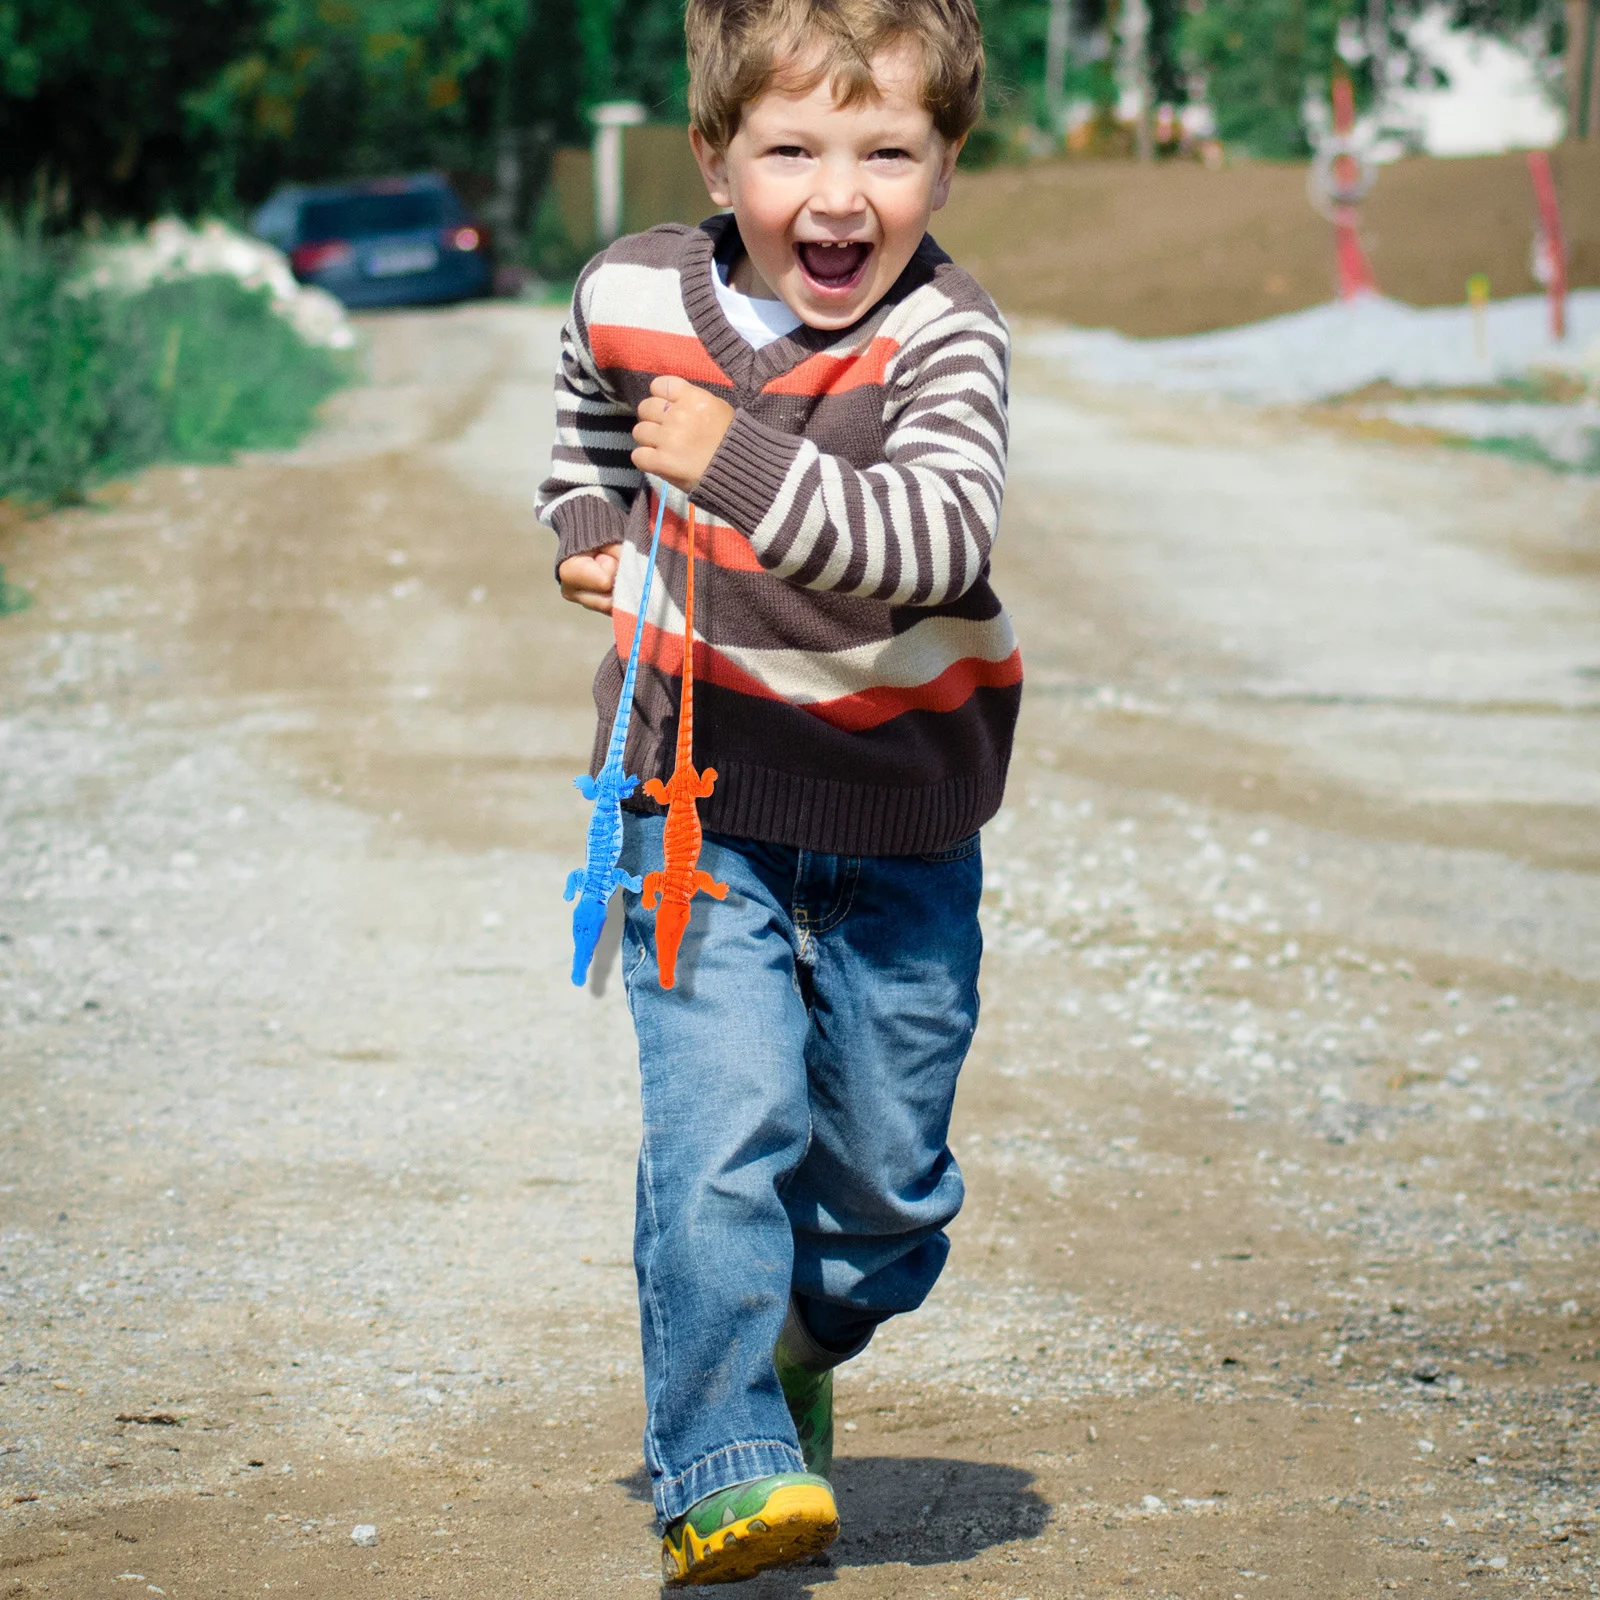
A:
{"points": [[1015, 41], [1260, 57], [127, 107], [134, 106], [340, 88], [95, 98]]}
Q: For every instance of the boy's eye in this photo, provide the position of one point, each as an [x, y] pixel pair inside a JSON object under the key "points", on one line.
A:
{"points": [[891, 153], [792, 151]]}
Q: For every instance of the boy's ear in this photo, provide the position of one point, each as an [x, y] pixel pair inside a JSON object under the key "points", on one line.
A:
{"points": [[947, 171], [713, 164]]}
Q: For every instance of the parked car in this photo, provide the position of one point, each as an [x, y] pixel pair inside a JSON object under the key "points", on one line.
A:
{"points": [[383, 242]]}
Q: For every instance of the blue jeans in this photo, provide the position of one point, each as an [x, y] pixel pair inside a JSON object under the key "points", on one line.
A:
{"points": [[797, 1088]]}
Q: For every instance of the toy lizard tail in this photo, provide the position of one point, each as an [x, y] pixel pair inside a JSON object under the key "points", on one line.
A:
{"points": [[680, 877]]}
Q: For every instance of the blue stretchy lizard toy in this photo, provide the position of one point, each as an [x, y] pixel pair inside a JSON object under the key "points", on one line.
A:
{"points": [[596, 881]]}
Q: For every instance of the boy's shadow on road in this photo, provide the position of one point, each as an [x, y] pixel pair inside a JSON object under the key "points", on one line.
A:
{"points": [[911, 1509]]}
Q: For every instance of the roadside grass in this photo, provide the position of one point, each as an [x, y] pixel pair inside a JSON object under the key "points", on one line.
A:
{"points": [[1519, 447], [94, 383], [1361, 412], [12, 599]]}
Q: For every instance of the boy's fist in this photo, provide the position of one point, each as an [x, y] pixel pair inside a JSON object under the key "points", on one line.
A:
{"points": [[678, 431], [587, 580]]}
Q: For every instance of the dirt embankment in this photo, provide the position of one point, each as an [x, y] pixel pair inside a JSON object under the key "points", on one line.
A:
{"points": [[1174, 249]]}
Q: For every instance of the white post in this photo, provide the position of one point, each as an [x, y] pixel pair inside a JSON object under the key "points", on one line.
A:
{"points": [[609, 121]]}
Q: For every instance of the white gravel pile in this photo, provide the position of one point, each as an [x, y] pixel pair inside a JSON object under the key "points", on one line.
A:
{"points": [[1334, 349], [170, 249]]}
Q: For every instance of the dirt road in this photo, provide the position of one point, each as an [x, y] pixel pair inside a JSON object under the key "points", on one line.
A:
{"points": [[1280, 1274]]}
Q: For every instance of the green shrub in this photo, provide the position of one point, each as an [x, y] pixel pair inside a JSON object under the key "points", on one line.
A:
{"points": [[551, 250], [986, 147], [214, 371], [94, 383], [56, 418], [1259, 57], [12, 598]]}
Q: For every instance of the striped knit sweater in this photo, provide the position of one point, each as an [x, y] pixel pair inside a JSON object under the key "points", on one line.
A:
{"points": [[857, 681]]}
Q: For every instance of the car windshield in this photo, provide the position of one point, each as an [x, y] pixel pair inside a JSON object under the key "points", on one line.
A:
{"points": [[359, 216]]}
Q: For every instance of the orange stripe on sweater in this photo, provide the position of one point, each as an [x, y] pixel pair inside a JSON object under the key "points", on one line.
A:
{"points": [[855, 713], [828, 374], [851, 713], [680, 355], [716, 542]]}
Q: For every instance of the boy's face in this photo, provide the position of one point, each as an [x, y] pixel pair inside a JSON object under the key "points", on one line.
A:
{"points": [[832, 201]]}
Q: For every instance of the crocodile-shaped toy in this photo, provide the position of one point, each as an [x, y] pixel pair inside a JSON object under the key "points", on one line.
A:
{"points": [[596, 881], [680, 877]]}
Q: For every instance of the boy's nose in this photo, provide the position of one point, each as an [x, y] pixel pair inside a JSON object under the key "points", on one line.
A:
{"points": [[838, 193]]}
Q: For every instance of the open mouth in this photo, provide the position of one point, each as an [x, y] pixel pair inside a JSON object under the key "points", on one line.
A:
{"points": [[833, 268]]}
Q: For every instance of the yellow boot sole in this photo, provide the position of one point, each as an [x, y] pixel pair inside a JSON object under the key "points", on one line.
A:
{"points": [[796, 1521]]}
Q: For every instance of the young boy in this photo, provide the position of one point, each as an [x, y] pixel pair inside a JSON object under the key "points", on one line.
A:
{"points": [[830, 392]]}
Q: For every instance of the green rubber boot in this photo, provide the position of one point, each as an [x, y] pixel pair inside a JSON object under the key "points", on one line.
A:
{"points": [[805, 1370], [810, 1398]]}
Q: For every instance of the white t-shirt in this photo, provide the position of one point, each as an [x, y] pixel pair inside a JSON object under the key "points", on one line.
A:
{"points": [[758, 322]]}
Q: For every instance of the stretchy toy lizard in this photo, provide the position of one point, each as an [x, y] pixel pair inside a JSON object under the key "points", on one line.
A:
{"points": [[680, 878], [596, 881]]}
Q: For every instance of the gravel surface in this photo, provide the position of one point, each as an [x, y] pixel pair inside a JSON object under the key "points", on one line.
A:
{"points": [[1280, 1271]]}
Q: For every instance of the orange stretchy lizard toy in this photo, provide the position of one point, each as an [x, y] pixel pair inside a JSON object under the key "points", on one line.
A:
{"points": [[680, 877]]}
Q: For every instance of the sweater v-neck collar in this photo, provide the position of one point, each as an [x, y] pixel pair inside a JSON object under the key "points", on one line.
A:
{"points": [[750, 369]]}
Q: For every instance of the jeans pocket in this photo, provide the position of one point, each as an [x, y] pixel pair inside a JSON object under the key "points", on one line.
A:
{"points": [[631, 968], [959, 851]]}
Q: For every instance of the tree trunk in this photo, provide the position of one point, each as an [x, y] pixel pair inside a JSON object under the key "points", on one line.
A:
{"points": [[1135, 30], [1378, 44], [1583, 69], [1056, 44]]}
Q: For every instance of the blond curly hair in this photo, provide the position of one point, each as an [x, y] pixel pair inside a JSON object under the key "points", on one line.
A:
{"points": [[738, 49]]}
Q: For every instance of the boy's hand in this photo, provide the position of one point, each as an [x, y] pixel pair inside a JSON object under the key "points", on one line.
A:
{"points": [[678, 431], [587, 580]]}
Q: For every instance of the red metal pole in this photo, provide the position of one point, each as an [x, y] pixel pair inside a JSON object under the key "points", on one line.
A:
{"points": [[1355, 271], [1544, 189]]}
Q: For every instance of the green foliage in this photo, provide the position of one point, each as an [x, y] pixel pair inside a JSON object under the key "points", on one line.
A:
{"points": [[127, 107], [339, 88], [1544, 20], [96, 383], [1259, 56], [1519, 447], [552, 252], [12, 599], [217, 370], [334, 88], [56, 407], [1013, 43], [94, 98], [1015, 34]]}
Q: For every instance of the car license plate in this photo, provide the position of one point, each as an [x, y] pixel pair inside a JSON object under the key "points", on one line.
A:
{"points": [[399, 262]]}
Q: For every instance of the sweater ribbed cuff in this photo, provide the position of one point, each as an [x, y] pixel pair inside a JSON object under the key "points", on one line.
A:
{"points": [[586, 524], [747, 472]]}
